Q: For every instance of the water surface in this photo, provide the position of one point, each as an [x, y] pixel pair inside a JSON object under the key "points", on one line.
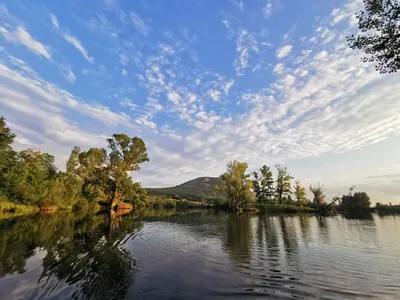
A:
{"points": [[199, 255]]}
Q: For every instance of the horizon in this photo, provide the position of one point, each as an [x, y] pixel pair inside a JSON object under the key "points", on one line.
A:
{"points": [[203, 83]]}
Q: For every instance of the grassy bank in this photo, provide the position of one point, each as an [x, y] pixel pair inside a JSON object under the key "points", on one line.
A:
{"points": [[284, 208], [156, 202], [9, 209]]}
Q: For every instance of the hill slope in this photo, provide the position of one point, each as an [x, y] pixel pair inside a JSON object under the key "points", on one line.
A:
{"points": [[199, 189]]}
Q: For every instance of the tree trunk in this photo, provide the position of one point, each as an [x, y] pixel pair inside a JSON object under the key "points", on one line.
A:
{"points": [[319, 208], [114, 202]]}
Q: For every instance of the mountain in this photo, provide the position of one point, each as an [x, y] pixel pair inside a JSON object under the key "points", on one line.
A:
{"points": [[199, 189]]}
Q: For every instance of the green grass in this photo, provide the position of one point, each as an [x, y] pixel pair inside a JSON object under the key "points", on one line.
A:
{"points": [[286, 208]]}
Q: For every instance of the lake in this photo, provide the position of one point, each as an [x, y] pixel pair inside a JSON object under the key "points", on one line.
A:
{"points": [[199, 255]]}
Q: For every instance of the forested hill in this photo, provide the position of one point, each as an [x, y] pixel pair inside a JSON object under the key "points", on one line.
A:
{"points": [[202, 188]]}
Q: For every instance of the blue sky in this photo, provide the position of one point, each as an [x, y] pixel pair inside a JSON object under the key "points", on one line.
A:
{"points": [[203, 82]]}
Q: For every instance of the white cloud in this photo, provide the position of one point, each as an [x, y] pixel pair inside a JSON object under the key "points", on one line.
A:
{"points": [[140, 24], [289, 79], [153, 103], [124, 72], [23, 37], [214, 94], [284, 51], [143, 120], [78, 45], [271, 6], [268, 9], [167, 49], [245, 43], [279, 68], [54, 20], [321, 55], [49, 95], [128, 103], [301, 72], [228, 86], [174, 97], [70, 77]]}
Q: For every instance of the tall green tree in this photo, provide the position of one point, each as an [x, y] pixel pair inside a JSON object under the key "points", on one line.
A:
{"points": [[7, 159], [95, 172], [283, 183], [37, 177], [126, 156], [379, 35], [7, 154], [300, 193], [236, 185], [263, 185]]}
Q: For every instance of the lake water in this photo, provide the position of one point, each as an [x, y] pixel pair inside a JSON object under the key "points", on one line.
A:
{"points": [[199, 255]]}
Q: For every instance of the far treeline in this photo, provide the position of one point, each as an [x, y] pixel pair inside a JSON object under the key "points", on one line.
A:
{"points": [[29, 178], [244, 191]]}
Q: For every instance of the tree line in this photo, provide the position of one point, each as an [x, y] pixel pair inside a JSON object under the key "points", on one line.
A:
{"points": [[241, 190], [96, 175], [100, 176]]}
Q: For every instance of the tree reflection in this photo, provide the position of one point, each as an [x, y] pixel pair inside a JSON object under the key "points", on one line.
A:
{"points": [[288, 235], [239, 237], [86, 252], [94, 260], [267, 239], [359, 215], [323, 230], [19, 237], [305, 227]]}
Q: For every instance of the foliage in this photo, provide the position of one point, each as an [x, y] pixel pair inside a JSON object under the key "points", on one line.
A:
{"points": [[359, 201], [37, 178], [380, 34], [126, 156], [319, 196], [263, 185], [235, 185], [7, 154], [300, 194], [318, 193], [283, 185], [387, 209], [7, 157], [30, 176]]}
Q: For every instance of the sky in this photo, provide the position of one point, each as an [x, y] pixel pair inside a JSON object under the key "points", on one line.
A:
{"points": [[202, 83]]}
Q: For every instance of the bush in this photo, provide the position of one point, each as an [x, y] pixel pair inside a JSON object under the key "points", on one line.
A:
{"points": [[358, 202]]}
